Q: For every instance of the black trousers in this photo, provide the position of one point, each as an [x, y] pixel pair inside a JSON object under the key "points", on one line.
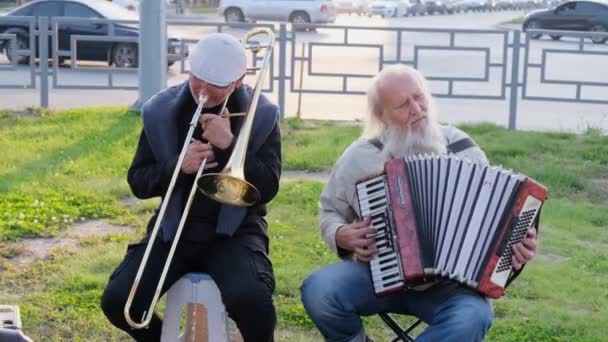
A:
{"points": [[239, 266]]}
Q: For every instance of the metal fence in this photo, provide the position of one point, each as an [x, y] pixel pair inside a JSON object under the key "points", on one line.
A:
{"points": [[499, 59]]}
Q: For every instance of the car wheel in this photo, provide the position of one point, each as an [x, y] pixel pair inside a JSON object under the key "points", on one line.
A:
{"points": [[555, 36], [596, 39], [234, 15], [21, 43], [124, 55], [300, 18], [533, 25]]}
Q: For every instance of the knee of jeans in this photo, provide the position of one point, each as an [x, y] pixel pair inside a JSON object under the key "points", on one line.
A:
{"points": [[307, 289], [476, 318], [315, 293]]}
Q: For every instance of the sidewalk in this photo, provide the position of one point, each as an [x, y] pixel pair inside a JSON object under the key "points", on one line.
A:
{"points": [[532, 115]]}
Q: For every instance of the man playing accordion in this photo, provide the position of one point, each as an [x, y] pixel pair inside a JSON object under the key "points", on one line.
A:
{"points": [[401, 122]]}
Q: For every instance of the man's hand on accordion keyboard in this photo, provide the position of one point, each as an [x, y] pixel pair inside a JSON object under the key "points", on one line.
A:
{"points": [[525, 250], [354, 237]]}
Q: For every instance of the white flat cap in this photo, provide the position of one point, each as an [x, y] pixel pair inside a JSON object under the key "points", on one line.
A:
{"points": [[218, 59]]}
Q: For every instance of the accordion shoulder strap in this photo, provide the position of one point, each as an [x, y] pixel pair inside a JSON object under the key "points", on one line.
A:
{"points": [[460, 145], [377, 143], [454, 147]]}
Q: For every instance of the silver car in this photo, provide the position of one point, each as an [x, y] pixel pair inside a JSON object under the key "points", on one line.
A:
{"points": [[351, 6], [295, 11], [387, 8]]}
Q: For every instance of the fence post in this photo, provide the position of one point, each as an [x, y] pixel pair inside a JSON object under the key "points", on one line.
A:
{"points": [[152, 45], [514, 85], [282, 67], [43, 43]]}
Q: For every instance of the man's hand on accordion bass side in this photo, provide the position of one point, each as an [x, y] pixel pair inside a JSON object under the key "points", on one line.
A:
{"points": [[354, 237], [525, 250]]}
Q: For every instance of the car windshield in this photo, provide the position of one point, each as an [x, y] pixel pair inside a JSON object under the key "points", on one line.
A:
{"points": [[113, 11]]}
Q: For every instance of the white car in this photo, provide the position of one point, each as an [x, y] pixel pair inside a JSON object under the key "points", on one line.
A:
{"points": [[171, 6], [295, 11], [387, 8], [351, 6]]}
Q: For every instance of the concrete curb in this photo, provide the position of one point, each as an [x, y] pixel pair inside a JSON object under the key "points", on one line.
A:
{"points": [[508, 27]]}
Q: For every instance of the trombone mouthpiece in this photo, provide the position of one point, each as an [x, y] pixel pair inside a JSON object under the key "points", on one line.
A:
{"points": [[202, 99]]}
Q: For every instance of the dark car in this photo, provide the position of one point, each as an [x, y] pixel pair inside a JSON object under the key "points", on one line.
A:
{"points": [[433, 7], [120, 54], [571, 16]]}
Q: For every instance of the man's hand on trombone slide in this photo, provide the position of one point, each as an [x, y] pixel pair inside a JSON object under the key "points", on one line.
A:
{"points": [[196, 152]]}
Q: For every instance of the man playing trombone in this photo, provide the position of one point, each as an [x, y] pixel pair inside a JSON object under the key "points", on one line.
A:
{"points": [[228, 242]]}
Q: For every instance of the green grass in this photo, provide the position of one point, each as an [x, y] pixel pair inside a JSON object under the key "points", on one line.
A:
{"points": [[57, 169], [312, 145], [75, 163]]}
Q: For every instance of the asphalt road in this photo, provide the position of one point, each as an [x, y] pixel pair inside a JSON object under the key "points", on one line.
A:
{"points": [[363, 61]]}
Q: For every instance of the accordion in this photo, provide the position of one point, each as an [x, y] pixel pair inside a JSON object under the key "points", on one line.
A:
{"points": [[442, 217]]}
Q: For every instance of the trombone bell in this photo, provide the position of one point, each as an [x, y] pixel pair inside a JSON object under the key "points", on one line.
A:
{"points": [[228, 189]]}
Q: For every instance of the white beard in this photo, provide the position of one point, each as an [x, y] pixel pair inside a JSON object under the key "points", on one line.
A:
{"points": [[399, 143]]}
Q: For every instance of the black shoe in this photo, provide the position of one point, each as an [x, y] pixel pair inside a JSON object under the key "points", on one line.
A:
{"points": [[368, 339]]}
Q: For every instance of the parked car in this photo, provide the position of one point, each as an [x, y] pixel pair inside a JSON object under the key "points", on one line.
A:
{"points": [[473, 5], [351, 6], [571, 16], [433, 7], [416, 7], [387, 8], [131, 5], [171, 6], [119, 54], [295, 11]]}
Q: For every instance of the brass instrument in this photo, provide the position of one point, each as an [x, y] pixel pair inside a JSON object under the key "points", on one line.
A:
{"points": [[228, 187]]}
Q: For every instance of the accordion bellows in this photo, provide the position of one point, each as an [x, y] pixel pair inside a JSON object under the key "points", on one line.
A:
{"points": [[446, 217]]}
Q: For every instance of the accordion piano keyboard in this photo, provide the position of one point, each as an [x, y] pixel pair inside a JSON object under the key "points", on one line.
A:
{"points": [[384, 265]]}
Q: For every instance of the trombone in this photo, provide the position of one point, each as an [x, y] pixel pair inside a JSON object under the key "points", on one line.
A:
{"points": [[228, 186]]}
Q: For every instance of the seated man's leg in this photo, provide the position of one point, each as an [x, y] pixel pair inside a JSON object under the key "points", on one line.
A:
{"points": [[453, 313], [243, 272], [336, 296], [117, 290]]}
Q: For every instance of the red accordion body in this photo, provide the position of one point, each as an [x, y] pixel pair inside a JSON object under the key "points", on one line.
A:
{"points": [[444, 217]]}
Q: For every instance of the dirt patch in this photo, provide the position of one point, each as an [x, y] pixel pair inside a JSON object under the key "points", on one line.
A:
{"points": [[320, 176], [22, 253], [586, 310], [551, 257], [601, 183]]}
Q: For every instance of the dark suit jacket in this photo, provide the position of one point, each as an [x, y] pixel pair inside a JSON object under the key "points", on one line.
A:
{"points": [[159, 148]]}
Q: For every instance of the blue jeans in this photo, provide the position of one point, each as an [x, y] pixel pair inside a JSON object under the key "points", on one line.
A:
{"points": [[337, 295]]}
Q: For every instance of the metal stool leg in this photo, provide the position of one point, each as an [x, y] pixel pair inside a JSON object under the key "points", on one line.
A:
{"points": [[402, 334]]}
